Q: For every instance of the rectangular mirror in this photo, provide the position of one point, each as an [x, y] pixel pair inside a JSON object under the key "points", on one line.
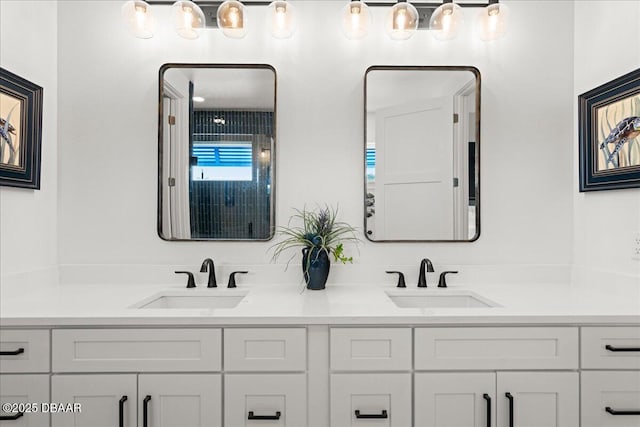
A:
{"points": [[216, 144], [422, 153]]}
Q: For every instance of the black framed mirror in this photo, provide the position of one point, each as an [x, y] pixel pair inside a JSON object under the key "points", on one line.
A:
{"points": [[422, 153], [216, 152]]}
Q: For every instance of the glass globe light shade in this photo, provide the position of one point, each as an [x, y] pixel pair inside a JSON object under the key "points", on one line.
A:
{"points": [[402, 21], [281, 16], [188, 19], [232, 19], [492, 21], [356, 20], [446, 21], [137, 18]]}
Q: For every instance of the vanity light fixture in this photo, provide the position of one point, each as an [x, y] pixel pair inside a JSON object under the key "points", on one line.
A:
{"points": [[232, 19], [402, 20], [188, 19], [137, 18], [197, 99], [446, 20], [281, 16], [443, 19], [492, 21], [356, 20]]}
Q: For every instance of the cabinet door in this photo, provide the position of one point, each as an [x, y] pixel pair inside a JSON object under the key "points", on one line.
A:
{"points": [[455, 399], [274, 400], [371, 400], [179, 400], [105, 400], [617, 391], [538, 399], [24, 389]]}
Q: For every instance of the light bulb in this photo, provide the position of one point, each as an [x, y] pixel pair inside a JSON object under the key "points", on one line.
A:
{"points": [[137, 18], [232, 19], [281, 18], [445, 21], [188, 19], [492, 21], [402, 21], [356, 20]]}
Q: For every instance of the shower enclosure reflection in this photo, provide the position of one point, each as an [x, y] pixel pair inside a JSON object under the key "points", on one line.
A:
{"points": [[216, 152], [422, 133]]}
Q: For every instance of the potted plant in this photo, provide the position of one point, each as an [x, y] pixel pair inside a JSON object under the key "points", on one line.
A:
{"points": [[319, 235]]}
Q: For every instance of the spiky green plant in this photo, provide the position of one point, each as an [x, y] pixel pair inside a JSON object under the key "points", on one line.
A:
{"points": [[317, 229]]}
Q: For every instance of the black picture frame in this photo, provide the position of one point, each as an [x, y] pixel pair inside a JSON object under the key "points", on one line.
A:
{"points": [[603, 113], [20, 131]]}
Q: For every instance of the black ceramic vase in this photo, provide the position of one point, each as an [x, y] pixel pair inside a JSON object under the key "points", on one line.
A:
{"points": [[318, 264]]}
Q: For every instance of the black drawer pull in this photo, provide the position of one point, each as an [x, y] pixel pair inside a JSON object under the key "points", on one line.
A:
{"points": [[612, 348], [615, 412], [145, 411], [11, 417], [12, 353], [383, 414], [264, 417], [488, 399], [121, 411], [510, 397]]}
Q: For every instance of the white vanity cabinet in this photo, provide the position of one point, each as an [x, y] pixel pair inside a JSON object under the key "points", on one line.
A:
{"points": [[532, 396], [148, 387], [370, 380], [610, 376], [24, 376], [265, 377]]}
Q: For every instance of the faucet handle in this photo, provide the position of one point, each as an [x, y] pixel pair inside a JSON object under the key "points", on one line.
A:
{"points": [[232, 278], [401, 282], [442, 282], [191, 281]]}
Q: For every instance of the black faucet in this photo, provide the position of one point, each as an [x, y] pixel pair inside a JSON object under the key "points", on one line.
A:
{"points": [[191, 282], [207, 265], [422, 278]]}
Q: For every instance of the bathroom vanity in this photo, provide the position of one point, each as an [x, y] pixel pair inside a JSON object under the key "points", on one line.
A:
{"points": [[544, 356]]}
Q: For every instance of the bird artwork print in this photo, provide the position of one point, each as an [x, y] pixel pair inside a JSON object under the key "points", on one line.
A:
{"points": [[625, 131]]}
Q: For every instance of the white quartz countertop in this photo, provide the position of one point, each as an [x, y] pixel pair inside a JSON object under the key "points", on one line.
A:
{"points": [[346, 304]]}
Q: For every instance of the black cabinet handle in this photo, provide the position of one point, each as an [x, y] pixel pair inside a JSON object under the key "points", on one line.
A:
{"points": [[615, 412], [510, 397], [121, 411], [612, 348], [383, 414], [488, 399], [145, 411], [11, 417], [264, 417], [12, 353]]}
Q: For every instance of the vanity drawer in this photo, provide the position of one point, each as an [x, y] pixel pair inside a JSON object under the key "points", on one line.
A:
{"points": [[274, 400], [611, 347], [137, 350], [496, 348], [368, 400], [370, 349], [618, 391], [29, 389], [24, 350], [265, 349]]}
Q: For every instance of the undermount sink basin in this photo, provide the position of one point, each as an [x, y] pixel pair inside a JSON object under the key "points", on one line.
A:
{"points": [[182, 300], [439, 298]]}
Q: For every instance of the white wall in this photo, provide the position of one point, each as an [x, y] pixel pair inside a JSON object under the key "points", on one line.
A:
{"points": [[28, 218], [108, 125], [607, 45]]}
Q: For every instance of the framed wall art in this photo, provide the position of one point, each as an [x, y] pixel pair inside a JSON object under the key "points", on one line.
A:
{"points": [[20, 131], [609, 135]]}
